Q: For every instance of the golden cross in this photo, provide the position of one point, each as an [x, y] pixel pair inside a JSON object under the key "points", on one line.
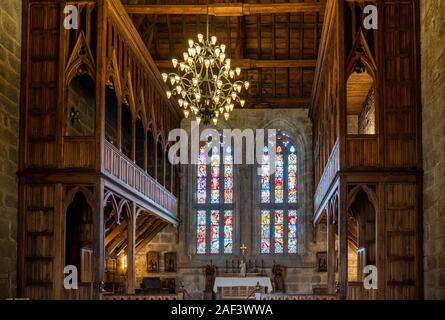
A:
{"points": [[243, 249]]}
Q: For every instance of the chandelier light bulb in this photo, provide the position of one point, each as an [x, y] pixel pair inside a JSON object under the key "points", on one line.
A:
{"points": [[186, 104], [227, 107], [200, 37], [226, 116], [181, 102], [182, 66], [215, 121], [231, 107], [175, 63], [233, 96], [165, 77], [198, 120], [238, 71], [179, 89], [219, 84], [207, 63], [221, 110], [198, 49], [242, 103], [191, 43], [223, 47], [228, 62], [172, 80], [222, 56], [177, 78], [195, 81], [216, 99], [186, 113], [214, 39], [217, 51], [232, 74], [246, 85], [169, 94]]}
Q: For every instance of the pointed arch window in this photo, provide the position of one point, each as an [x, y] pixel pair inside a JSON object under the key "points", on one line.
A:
{"points": [[279, 209], [214, 201]]}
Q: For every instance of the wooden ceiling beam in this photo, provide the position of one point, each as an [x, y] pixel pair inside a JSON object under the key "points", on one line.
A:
{"points": [[155, 231], [277, 103], [227, 10], [253, 64]]}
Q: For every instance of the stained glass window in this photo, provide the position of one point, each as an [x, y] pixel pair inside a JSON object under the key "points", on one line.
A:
{"points": [[228, 175], [292, 176], [201, 232], [279, 179], [265, 231], [215, 215], [214, 231], [202, 177], [292, 231], [265, 177], [214, 176], [279, 208], [228, 231]]}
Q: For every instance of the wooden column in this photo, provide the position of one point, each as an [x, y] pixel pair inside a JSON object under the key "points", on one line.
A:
{"points": [[131, 251], [331, 252], [343, 242], [133, 138]]}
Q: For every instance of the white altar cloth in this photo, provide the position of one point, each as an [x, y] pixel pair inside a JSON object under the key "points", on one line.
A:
{"points": [[222, 282]]}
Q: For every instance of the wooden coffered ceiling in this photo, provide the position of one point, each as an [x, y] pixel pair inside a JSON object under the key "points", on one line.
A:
{"points": [[275, 41]]}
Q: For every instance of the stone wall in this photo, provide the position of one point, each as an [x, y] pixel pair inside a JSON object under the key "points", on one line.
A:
{"points": [[433, 103], [366, 119], [81, 98], [10, 40]]}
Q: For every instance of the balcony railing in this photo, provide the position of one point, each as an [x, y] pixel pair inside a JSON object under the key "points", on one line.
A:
{"points": [[126, 170], [328, 176]]}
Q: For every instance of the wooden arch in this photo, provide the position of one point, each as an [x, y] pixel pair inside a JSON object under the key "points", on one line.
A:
{"points": [[70, 195], [370, 193], [365, 57], [80, 56]]}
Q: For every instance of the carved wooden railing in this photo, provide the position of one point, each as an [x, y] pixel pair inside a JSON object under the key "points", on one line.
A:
{"points": [[328, 176], [297, 297], [141, 296], [119, 166]]}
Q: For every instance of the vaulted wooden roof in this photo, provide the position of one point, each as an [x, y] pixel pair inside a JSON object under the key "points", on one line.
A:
{"points": [[274, 41]]}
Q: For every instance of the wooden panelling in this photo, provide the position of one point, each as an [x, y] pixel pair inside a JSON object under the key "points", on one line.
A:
{"points": [[42, 70], [362, 151], [402, 249], [399, 81], [79, 152]]}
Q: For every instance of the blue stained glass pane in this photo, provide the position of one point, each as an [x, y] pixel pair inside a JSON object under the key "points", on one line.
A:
{"points": [[265, 231], [292, 231], [214, 246], [279, 245]]}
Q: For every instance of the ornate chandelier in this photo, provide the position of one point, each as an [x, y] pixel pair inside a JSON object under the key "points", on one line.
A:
{"points": [[205, 85]]}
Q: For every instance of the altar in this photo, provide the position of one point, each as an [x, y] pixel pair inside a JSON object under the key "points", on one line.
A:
{"points": [[241, 287]]}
